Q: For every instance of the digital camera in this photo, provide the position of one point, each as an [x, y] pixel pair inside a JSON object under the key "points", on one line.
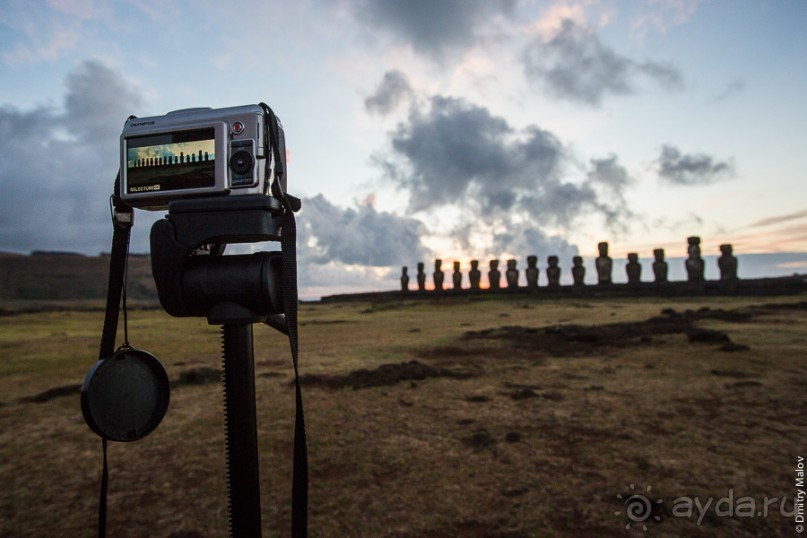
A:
{"points": [[199, 152]]}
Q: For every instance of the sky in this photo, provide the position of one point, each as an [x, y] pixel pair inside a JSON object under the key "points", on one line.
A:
{"points": [[423, 129]]}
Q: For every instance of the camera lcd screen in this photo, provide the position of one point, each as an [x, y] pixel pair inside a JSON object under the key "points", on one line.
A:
{"points": [[171, 161]]}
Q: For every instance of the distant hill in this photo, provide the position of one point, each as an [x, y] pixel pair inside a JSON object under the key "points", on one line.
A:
{"points": [[66, 276]]}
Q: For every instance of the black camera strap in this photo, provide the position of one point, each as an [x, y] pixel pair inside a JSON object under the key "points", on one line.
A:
{"points": [[288, 244], [122, 221]]}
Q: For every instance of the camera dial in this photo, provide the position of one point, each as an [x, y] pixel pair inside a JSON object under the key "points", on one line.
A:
{"points": [[241, 162]]}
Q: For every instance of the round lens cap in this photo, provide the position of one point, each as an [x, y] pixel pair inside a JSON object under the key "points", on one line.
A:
{"points": [[125, 396]]}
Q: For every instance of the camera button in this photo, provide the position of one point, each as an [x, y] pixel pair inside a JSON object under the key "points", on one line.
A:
{"points": [[238, 127]]}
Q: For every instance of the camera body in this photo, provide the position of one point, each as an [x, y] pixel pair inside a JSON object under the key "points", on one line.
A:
{"points": [[199, 152]]}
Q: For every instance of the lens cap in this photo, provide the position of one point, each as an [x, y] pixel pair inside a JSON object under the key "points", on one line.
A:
{"points": [[125, 396]]}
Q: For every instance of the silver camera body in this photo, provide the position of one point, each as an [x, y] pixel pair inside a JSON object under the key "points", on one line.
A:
{"points": [[198, 152]]}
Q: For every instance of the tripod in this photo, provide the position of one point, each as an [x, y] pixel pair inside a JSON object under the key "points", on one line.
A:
{"points": [[234, 292]]}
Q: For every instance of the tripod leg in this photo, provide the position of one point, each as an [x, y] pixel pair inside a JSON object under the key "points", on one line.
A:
{"points": [[241, 436]]}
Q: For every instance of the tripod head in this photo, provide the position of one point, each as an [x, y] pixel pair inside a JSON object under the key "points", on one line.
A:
{"points": [[221, 288]]}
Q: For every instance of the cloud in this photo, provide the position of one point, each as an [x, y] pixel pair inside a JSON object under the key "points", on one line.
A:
{"points": [[613, 180], [733, 88], [393, 90], [663, 15], [435, 28], [58, 166], [575, 65], [780, 219], [525, 239], [456, 150], [607, 171], [691, 169], [98, 101], [357, 236], [507, 183]]}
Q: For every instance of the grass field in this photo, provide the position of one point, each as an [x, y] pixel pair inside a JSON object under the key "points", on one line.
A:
{"points": [[488, 417]]}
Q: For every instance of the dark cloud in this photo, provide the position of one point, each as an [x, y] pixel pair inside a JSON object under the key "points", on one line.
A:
{"points": [[433, 27], [691, 169], [58, 165], [391, 92], [97, 102], [458, 153], [360, 236], [611, 181], [575, 65], [609, 172], [456, 150]]}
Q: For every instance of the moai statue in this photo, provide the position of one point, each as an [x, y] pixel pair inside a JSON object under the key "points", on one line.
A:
{"points": [[694, 263], [404, 278], [474, 275], [578, 271], [553, 272], [511, 274], [532, 271], [421, 276], [457, 276], [727, 263], [633, 269], [604, 265], [494, 275], [660, 266], [438, 275]]}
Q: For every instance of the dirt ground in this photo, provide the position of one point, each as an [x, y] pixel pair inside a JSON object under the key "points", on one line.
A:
{"points": [[501, 417]]}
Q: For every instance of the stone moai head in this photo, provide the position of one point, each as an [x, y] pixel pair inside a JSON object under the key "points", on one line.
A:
{"points": [[420, 267], [438, 264], [532, 261], [727, 264], [511, 264], [456, 267], [694, 246], [578, 271], [494, 265], [659, 254], [474, 265], [603, 248], [404, 270], [633, 269], [552, 261]]}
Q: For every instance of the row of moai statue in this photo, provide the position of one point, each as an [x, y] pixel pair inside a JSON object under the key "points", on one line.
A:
{"points": [[694, 264], [169, 160]]}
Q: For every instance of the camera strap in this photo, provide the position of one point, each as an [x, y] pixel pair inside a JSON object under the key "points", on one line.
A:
{"points": [[288, 245], [299, 511], [122, 221]]}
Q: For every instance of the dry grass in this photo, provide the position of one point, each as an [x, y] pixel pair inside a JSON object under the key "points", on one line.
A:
{"points": [[534, 444]]}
